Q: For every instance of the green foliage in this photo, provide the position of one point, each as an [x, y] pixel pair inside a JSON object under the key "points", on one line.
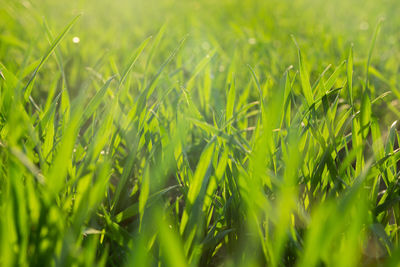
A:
{"points": [[199, 133]]}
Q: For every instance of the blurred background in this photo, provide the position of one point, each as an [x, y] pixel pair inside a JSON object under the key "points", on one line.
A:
{"points": [[257, 32]]}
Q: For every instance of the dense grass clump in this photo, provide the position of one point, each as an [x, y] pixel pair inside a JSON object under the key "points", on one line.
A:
{"points": [[199, 133]]}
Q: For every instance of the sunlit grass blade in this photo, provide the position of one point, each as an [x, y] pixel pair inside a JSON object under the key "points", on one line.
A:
{"points": [[350, 76], [304, 76], [133, 60], [371, 49], [27, 89]]}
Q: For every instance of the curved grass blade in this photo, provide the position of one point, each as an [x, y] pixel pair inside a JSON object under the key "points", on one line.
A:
{"points": [[350, 76], [96, 100], [304, 77], [27, 89], [371, 49], [133, 60]]}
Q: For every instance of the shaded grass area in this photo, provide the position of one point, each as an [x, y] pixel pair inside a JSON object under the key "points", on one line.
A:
{"points": [[177, 133]]}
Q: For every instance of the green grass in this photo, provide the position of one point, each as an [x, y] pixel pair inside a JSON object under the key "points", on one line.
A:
{"points": [[199, 133]]}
